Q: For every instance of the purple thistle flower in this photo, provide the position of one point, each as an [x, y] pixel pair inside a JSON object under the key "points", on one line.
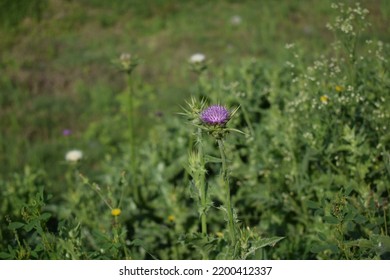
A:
{"points": [[66, 132], [215, 115]]}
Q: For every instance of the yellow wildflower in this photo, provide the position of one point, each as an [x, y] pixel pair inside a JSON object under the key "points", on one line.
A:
{"points": [[324, 99], [219, 234], [339, 88], [171, 218], [116, 212]]}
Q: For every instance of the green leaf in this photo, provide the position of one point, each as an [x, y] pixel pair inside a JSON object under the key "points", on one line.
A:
{"points": [[6, 256], [383, 244], [360, 219], [348, 191], [45, 216], [320, 248], [350, 216], [15, 225], [30, 225], [331, 220], [322, 236], [264, 242], [312, 204], [212, 159]]}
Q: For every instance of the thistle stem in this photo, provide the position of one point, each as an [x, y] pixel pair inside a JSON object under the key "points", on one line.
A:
{"points": [[131, 123], [225, 179], [202, 183], [133, 159]]}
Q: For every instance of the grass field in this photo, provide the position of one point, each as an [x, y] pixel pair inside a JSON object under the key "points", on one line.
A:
{"points": [[106, 151]]}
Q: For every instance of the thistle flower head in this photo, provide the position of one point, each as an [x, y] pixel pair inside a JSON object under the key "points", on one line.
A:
{"points": [[127, 62], [215, 115]]}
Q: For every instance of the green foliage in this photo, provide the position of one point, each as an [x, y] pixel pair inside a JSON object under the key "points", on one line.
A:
{"points": [[12, 12], [308, 177]]}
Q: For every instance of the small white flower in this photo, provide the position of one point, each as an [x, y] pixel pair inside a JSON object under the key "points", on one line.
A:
{"points": [[197, 58], [235, 20], [73, 155]]}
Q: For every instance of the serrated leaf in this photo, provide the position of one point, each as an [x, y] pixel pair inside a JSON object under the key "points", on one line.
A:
{"points": [[212, 159], [258, 244], [267, 242]]}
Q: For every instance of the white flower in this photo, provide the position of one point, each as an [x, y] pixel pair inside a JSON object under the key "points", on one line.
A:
{"points": [[73, 155], [235, 20], [197, 58]]}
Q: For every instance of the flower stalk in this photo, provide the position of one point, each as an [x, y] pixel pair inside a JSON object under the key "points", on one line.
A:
{"points": [[215, 119], [197, 162], [201, 181], [225, 180], [127, 64]]}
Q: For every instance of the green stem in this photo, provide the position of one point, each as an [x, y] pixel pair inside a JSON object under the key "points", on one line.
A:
{"points": [[385, 219], [202, 183], [246, 117], [225, 178], [133, 158], [131, 125]]}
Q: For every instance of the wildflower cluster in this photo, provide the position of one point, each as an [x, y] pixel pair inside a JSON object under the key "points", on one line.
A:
{"points": [[351, 19]]}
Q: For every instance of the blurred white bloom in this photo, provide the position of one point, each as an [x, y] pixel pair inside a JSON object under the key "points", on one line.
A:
{"points": [[236, 20], [289, 46], [74, 155], [197, 58]]}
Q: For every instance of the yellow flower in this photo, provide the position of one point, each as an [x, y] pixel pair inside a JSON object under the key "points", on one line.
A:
{"points": [[324, 99], [219, 234], [116, 212], [171, 218], [339, 88]]}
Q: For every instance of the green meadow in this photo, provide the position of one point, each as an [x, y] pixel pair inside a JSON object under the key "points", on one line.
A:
{"points": [[109, 148]]}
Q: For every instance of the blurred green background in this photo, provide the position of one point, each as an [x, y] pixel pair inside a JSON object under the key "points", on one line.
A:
{"points": [[56, 70]]}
